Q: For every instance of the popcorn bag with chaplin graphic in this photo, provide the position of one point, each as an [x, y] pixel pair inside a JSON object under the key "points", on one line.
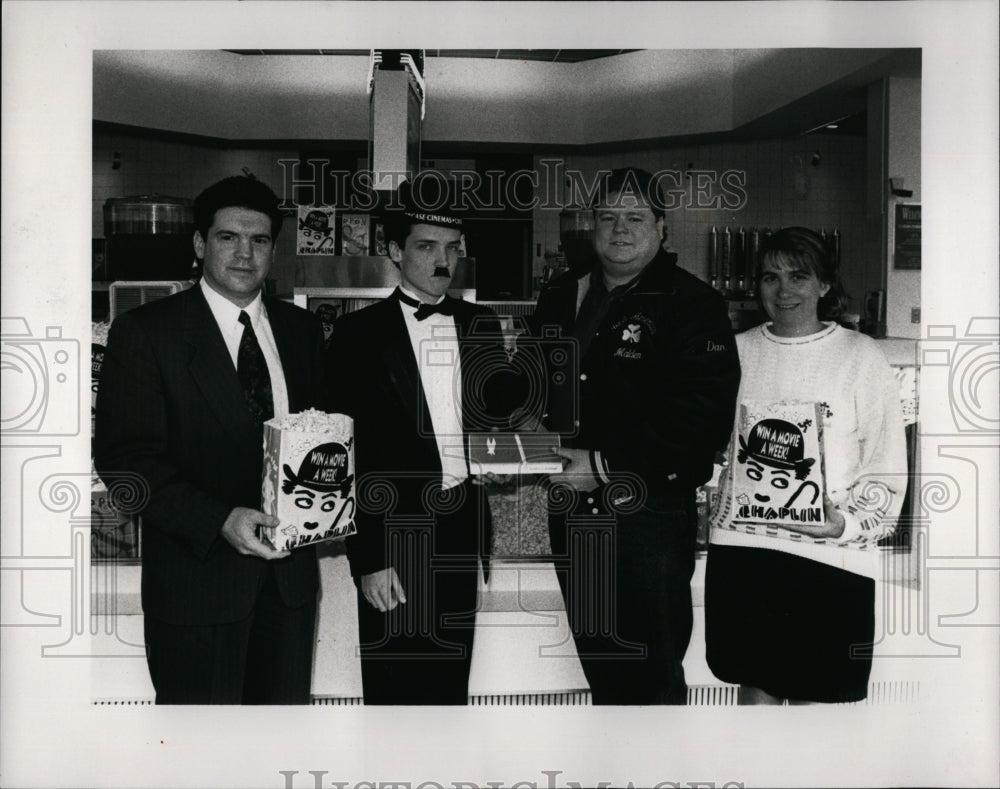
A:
{"points": [[777, 475], [308, 479]]}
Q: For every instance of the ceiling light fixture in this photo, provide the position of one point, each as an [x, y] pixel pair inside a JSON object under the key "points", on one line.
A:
{"points": [[825, 125]]}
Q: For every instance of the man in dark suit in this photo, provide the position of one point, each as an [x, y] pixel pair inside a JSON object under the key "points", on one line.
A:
{"points": [[413, 371], [187, 383]]}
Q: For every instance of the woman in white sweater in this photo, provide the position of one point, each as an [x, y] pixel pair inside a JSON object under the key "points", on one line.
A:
{"points": [[790, 584]]}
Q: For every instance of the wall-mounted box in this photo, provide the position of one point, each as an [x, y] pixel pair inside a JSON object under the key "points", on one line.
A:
{"points": [[906, 246], [394, 131]]}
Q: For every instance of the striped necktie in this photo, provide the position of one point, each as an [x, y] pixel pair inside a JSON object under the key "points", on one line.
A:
{"points": [[251, 367]]}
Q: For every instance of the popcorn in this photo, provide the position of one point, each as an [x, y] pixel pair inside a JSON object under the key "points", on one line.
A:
{"points": [[98, 342], [99, 332], [308, 478]]}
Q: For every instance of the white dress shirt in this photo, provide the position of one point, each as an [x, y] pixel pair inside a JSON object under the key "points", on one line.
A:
{"points": [[227, 315], [435, 346]]}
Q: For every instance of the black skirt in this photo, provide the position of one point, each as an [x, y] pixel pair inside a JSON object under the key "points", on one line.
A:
{"points": [[792, 627]]}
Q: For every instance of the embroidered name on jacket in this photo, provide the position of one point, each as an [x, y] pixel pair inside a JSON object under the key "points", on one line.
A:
{"points": [[630, 332]]}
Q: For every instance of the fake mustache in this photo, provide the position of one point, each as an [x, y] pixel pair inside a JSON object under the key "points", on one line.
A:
{"points": [[441, 271]]}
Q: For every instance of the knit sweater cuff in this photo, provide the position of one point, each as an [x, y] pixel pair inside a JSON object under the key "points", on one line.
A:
{"points": [[853, 531]]}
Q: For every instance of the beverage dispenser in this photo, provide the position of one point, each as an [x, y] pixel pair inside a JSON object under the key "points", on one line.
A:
{"points": [[576, 235], [149, 237]]}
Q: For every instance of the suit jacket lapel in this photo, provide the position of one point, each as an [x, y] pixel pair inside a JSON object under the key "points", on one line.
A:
{"points": [[397, 354], [212, 369], [474, 330], [403, 373], [463, 323]]}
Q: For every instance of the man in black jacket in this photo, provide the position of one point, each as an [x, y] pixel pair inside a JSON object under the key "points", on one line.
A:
{"points": [[186, 385], [658, 377], [411, 371]]}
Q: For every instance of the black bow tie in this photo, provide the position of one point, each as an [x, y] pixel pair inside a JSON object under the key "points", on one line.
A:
{"points": [[446, 306]]}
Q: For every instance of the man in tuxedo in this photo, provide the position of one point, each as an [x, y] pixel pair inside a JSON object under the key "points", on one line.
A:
{"points": [[413, 371], [187, 383]]}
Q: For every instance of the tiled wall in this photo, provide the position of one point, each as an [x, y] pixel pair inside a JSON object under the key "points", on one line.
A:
{"points": [[782, 188], [180, 169]]}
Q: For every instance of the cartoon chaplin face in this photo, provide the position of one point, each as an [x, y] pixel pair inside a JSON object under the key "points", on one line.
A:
{"points": [[777, 448], [322, 485], [315, 232]]}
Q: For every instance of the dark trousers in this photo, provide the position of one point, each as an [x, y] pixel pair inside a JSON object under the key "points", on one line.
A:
{"points": [[421, 651], [263, 659], [625, 574]]}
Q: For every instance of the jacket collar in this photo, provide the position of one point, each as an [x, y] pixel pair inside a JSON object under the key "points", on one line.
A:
{"points": [[400, 363], [212, 369], [657, 278]]}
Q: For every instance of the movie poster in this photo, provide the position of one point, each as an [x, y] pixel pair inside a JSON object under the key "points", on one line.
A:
{"points": [[354, 229], [315, 231]]}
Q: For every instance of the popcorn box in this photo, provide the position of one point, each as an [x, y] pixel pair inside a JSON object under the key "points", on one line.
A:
{"points": [[98, 344], [308, 479]]}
